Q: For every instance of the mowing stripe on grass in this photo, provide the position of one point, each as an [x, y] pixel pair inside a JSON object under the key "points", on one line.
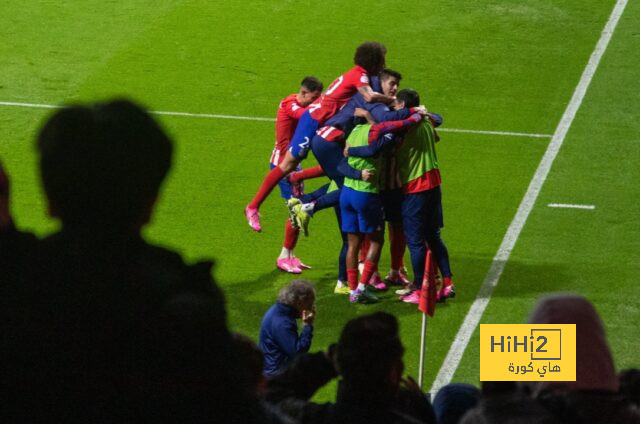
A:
{"points": [[479, 305], [256, 118], [570, 206]]}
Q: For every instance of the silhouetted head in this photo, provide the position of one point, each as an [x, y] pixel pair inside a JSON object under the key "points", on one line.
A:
{"points": [[102, 164], [369, 353]]}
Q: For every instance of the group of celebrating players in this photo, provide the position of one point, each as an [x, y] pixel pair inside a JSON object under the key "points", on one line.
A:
{"points": [[377, 146]]}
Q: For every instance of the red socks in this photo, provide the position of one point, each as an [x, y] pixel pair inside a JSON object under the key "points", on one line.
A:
{"points": [[270, 181], [367, 272], [307, 174], [290, 235], [352, 277]]}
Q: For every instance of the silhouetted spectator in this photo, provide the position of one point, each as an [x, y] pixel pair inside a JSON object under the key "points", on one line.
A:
{"points": [[279, 338], [515, 408], [453, 401], [630, 385], [593, 397], [252, 359], [369, 358], [96, 324]]}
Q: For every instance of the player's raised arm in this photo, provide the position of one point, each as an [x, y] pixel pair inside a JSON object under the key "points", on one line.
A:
{"points": [[371, 96]]}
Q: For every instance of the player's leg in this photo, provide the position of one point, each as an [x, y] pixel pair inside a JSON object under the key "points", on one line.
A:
{"points": [[348, 202], [342, 286], [413, 207], [392, 206], [291, 233], [350, 227], [297, 152], [329, 155], [298, 214], [272, 179], [285, 260], [370, 222], [434, 222]]}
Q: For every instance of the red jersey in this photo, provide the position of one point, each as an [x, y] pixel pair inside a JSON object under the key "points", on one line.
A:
{"points": [[338, 94], [289, 112]]}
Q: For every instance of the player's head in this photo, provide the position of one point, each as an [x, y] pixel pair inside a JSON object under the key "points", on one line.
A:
{"points": [[299, 294], [369, 353], [310, 90], [102, 164], [407, 98], [371, 56], [390, 80]]}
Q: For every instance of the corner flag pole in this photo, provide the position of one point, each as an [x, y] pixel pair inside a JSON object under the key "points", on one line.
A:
{"points": [[427, 306], [423, 340]]}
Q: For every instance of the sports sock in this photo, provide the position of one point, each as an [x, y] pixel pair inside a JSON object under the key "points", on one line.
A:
{"points": [[352, 277], [308, 208], [307, 174], [446, 282], [369, 269], [361, 286], [285, 253], [290, 235], [270, 181]]}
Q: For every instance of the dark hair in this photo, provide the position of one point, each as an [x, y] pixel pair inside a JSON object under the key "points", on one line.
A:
{"points": [[410, 97], [368, 348], [370, 56], [312, 84], [388, 73], [103, 163]]}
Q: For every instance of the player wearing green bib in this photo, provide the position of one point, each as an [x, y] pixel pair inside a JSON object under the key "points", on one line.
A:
{"points": [[422, 204], [360, 204]]}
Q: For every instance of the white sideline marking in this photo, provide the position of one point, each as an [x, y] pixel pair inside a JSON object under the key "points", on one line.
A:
{"points": [[570, 206], [256, 118], [476, 311]]}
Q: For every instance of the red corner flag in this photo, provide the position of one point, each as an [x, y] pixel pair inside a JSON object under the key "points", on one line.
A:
{"points": [[429, 290]]}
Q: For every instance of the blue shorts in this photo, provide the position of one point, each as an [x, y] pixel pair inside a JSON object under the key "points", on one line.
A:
{"points": [[361, 212], [301, 141], [392, 205], [286, 189], [329, 155]]}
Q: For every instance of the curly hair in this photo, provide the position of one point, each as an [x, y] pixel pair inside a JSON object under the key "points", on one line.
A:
{"points": [[297, 293], [371, 56]]}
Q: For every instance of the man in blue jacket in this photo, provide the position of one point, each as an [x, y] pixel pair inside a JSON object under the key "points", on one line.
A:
{"points": [[279, 338]]}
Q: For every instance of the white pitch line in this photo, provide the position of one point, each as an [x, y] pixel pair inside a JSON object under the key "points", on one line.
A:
{"points": [[571, 206], [452, 360], [256, 118], [505, 133]]}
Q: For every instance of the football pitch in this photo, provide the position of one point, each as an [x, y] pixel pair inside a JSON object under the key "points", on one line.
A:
{"points": [[504, 74]]}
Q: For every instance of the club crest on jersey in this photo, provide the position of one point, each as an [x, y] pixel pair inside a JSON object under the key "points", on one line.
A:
{"points": [[364, 79]]}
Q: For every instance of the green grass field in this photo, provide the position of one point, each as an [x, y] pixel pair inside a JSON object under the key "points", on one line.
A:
{"points": [[505, 66]]}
